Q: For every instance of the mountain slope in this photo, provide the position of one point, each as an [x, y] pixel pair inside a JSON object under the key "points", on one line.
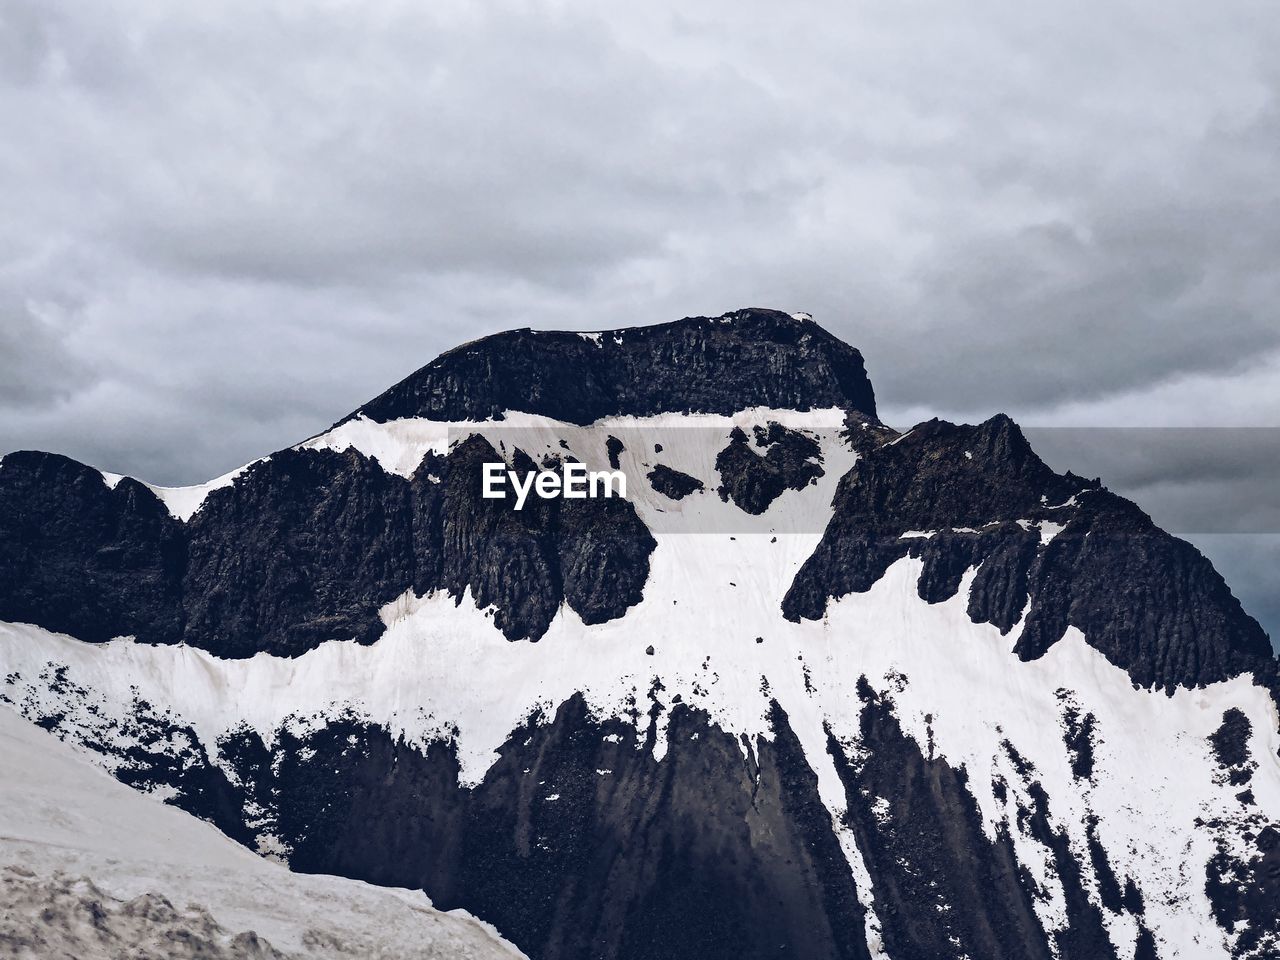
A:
{"points": [[89, 868], [813, 688]]}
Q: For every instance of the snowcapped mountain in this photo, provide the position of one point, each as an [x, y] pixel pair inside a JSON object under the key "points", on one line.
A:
{"points": [[814, 688]]}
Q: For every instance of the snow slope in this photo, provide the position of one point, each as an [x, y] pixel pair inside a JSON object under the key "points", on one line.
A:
{"points": [[74, 843]]}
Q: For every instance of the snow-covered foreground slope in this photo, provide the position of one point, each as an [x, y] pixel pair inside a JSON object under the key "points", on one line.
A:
{"points": [[92, 869]]}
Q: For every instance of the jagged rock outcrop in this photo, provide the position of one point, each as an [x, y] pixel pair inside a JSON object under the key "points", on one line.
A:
{"points": [[788, 460], [1052, 551], [304, 548], [673, 484], [86, 559], [591, 553]]}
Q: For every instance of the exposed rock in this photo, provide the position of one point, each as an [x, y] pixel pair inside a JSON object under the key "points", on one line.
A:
{"points": [[1245, 894], [960, 496], [753, 481], [1079, 736], [81, 558], [302, 549], [305, 547], [592, 553], [673, 484], [578, 837], [942, 888], [1231, 740], [614, 448], [710, 365]]}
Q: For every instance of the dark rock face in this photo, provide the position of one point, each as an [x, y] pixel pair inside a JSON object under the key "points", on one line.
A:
{"points": [[305, 547], [1079, 736], [753, 481], [615, 448], [1243, 889], [942, 888], [578, 844], [1231, 740], [1245, 893], [80, 558], [1184, 627], [982, 493], [592, 553], [937, 477], [1113, 898], [673, 484], [603, 550], [708, 365]]}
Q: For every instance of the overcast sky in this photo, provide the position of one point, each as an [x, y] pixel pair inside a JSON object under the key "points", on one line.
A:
{"points": [[225, 225]]}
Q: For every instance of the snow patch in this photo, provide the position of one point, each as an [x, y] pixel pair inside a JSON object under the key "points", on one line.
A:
{"points": [[183, 502], [61, 817]]}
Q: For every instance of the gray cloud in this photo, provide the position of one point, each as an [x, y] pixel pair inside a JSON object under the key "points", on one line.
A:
{"points": [[1249, 564], [224, 226], [1192, 480], [1213, 486], [36, 368]]}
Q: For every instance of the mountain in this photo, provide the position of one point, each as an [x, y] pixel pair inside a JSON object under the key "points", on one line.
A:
{"points": [[813, 688]]}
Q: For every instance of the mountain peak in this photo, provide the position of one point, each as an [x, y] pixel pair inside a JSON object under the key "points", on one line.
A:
{"points": [[749, 357]]}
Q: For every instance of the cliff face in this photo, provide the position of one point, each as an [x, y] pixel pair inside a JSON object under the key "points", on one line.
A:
{"points": [[751, 358], [86, 559], [813, 688], [1050, 551], [304, 548]]}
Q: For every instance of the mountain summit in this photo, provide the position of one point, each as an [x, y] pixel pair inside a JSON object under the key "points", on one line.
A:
{"points": [[749, 358], [814, 688]]}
